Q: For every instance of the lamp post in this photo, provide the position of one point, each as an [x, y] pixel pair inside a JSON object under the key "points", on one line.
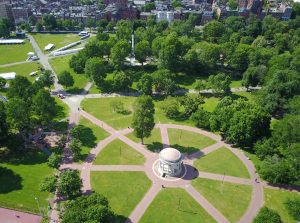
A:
{"points": [[38, 204]]}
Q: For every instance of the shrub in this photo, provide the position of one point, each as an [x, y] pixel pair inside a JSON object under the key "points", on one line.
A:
{"points": [[267, 215], [201, 118], [54, 160], [293, 207], [170, 107]]}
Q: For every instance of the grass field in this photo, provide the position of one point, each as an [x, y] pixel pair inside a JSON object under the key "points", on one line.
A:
{"points": [[188, 142], [15, 53], [20, 181], [90, 134], [275, 200], [222, 161], [119, 153], [59, 40], [60, 64], [124, 190], [210, 103], [22, 69], [230, 199], [165, 208], [152, 143]]}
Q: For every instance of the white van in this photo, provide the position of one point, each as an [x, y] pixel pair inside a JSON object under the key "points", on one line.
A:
{"points": [[83, 33]]}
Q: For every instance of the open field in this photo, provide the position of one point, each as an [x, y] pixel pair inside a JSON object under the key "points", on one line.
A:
{"points": [[119, 153], [152, 143], [22, 69], [124, 190], [90, 134], [15, 53], [20, 179], [59, 40], [175, 205], [188, 142], [230, 199], [275, 200], [60, 64], [222, 161]]}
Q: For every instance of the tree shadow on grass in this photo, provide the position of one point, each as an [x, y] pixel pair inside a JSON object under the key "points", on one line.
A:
{"points": [[10, 181], [120, 219], [75, 90], [31, 157], [154, 146], [86, 136], [184, 149]]}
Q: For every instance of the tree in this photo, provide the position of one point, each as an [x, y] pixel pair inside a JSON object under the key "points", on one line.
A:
{"points": [[96, 70], [293, 105], [240, 58], [4, 28], [3, 123], [213, 31], [48, 184], [49, 22], [119, 52], [123, 30], [46, 79], [66, 79], [54, 160], [267, 215], [121, 81], [201, 118], [77, 62], [101, 36], [75, 148], [144, 84], [20, 87], [149, 6], [92, 208], [254, 76], [118, 106], [163, 83], [190, 104], [220, 83], [200, 85], [143, 117], [296, 10], [142, 50], [292, 205], [170, 107], [69, 184], [233, 4], [43, 107], [39, 26], [2, 82]]}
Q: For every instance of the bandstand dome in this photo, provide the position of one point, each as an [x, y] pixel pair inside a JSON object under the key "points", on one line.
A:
{"points": [[170, 155], [170, 162]]}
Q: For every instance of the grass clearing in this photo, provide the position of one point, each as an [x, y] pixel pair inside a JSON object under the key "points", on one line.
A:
{"points": [[124, 190], [222, 161], [232, 200], [210, 103], [59, 40], [22, 69], [188, 142], [165, 208], [20, 179], [90, 134], [275, 200], [152, 143], [60, 64], [15, 52], [119, 153]]}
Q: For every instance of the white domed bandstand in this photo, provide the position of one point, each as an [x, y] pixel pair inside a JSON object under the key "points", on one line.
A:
{"points": [[170, 162]]}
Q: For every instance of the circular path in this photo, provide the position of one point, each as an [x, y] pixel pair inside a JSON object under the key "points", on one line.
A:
{"points": [[184, 182]]}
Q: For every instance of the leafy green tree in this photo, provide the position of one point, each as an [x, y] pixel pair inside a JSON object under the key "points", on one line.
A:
{"points": [[48, 184], [123, 30], [121, 81], [144, 84], [156, 45], [101, 36], [118, 106], [163, 83], [253, 27], [43, 107], [49, 22], [220, 83], [119, 52], [267, 215], [20, 87], [149, 6], [295, 63], [254, 76], [293, 105], [200, 85], [2, 82], [233, 4], [92, 208], [190, 104], [75, 148], [240, 58], [39, 26], [66, 79], [95, 69], [143, 117], [77, 62], [54, 160], [235, 23], [142, 51], [170, 107], [213, 31], [292, 205], [3, 123], [4, 28], [260, 56], [46, 78], [201, 118], [69, 184]]}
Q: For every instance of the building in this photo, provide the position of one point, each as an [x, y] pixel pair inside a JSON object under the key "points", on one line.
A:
{"points": [[6, 10], [165, 15], [170, 162]]}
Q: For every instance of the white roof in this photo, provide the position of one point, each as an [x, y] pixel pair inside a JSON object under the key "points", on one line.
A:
{"points": [[49, 46], [11, 41], [8, 76], [170, 154]]}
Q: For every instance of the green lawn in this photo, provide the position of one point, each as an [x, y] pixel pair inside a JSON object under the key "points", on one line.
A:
{"points": [[175, 205], [232, 200], [20, 181], [236, 83], [15, 53], [124, 190], [59, 40], [152, 143], [60, 64], [90, 135], [22, 69], [222, 161], [188, 142], [119, 153], [210, 103], [275, 200]]}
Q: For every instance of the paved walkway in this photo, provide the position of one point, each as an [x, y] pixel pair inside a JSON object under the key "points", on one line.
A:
{"points": [[12, 216], [16, 63]]}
